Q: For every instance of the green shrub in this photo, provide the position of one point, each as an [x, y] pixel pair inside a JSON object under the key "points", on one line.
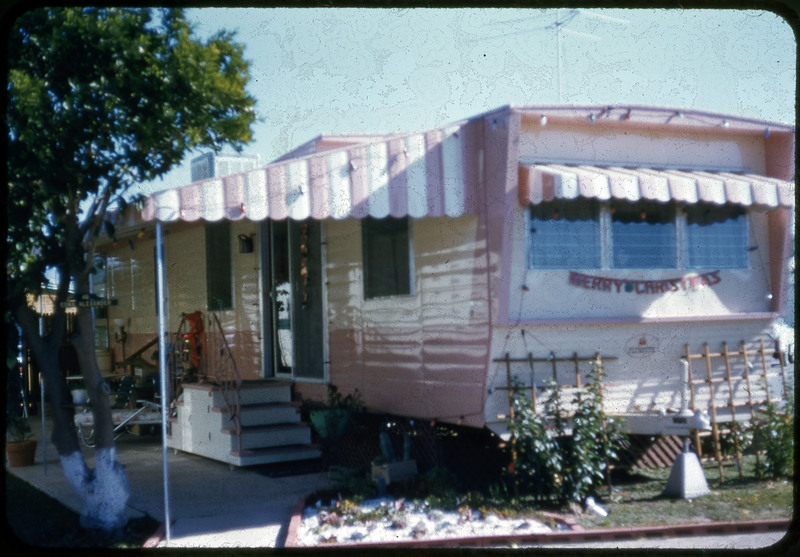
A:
{"points": [[536, 464], [560, 457], [773, 432]]}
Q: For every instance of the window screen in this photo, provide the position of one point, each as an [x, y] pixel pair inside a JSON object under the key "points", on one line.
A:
{"points": [[565, 235], [643, 236], [716, 237], [620, 235]]}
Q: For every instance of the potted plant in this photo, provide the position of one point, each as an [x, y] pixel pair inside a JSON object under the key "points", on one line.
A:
{"points": [[331, 419], [20, 445]]}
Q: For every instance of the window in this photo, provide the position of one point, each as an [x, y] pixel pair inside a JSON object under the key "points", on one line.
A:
{"points": [[100, 292], [644, 236], [219, 284], [387, 267], [716, 237], [619, 235], [565, 235]]}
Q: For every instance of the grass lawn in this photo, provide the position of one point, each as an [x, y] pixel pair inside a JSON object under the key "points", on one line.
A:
{"points": [[36, 519], [636, 500]]}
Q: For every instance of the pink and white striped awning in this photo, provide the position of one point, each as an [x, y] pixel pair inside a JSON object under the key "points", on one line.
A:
{"points": [[540, 183], [415, 175]]}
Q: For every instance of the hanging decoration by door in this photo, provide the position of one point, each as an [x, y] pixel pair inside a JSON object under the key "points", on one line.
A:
{"points": [[304, 260], [195, 338]]}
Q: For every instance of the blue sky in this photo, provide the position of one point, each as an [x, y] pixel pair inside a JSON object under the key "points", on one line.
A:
{"points": [[376, 70]]}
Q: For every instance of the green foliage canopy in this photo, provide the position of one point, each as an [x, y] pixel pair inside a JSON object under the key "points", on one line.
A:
{"points": [[98, 100]]}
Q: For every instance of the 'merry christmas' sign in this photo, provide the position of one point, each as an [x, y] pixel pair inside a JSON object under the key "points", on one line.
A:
{"points": [[619, 286]]}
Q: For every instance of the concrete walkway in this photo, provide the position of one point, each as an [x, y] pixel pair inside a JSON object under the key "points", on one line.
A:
{"points": [[211, 505]]}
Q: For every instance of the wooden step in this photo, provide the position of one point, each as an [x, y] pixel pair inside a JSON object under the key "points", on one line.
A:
{"points": [[250, 392], [266, 413], [271, 429], [269, 436], [288, 453]]}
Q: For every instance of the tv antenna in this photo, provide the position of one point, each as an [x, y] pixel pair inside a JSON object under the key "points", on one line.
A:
{"points": [[560, 26]]}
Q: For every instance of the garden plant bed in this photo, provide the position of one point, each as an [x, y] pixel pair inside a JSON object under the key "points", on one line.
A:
{"points": [[386, 524], [389, 522], [636, 509]]}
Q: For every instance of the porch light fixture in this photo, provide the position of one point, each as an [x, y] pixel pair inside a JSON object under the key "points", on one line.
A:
{"points": [[245, 243], [543, 120], [120, 337]]}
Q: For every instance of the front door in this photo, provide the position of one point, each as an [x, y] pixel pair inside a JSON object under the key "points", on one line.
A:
{"points": [[294, 343]]}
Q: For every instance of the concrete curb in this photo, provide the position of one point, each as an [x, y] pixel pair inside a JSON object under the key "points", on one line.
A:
{"points": [[294, 524], [575, 534], [156, 538]]}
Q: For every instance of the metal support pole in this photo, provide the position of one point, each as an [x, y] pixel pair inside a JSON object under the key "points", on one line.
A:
{"points": [[41, 391], [44, 427], [162, 364], [687, 377]]}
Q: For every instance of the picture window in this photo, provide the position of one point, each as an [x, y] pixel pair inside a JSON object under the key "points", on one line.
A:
{"points": [[587, 234]]}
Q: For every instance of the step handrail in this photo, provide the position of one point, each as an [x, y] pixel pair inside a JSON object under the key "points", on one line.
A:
{"points": [[215, 364], [226, 375]]}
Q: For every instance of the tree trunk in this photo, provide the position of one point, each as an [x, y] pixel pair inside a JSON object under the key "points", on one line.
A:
{"points": [[64, 436], [103, 491], [45, 353]]}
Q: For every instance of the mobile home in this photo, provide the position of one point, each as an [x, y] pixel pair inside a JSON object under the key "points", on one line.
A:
{"points": [[428, 269]]}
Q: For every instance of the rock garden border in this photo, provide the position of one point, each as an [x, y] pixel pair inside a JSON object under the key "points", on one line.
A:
{"points": [[574, 533]]}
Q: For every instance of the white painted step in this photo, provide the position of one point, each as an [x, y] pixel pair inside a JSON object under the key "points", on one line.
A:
{"points": [[254, 457], [262, 437], [251, 392], [271, 427], [265, 414]]}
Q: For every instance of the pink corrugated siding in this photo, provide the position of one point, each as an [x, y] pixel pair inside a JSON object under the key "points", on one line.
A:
{"points": [[424, 355]]}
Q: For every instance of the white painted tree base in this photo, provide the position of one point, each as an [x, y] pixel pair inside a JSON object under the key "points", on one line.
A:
{"points": [[104, 491]]}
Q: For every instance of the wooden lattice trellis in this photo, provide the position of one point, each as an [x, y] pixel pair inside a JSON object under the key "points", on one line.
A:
{"points": [[596, 360], [719, 381]]}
